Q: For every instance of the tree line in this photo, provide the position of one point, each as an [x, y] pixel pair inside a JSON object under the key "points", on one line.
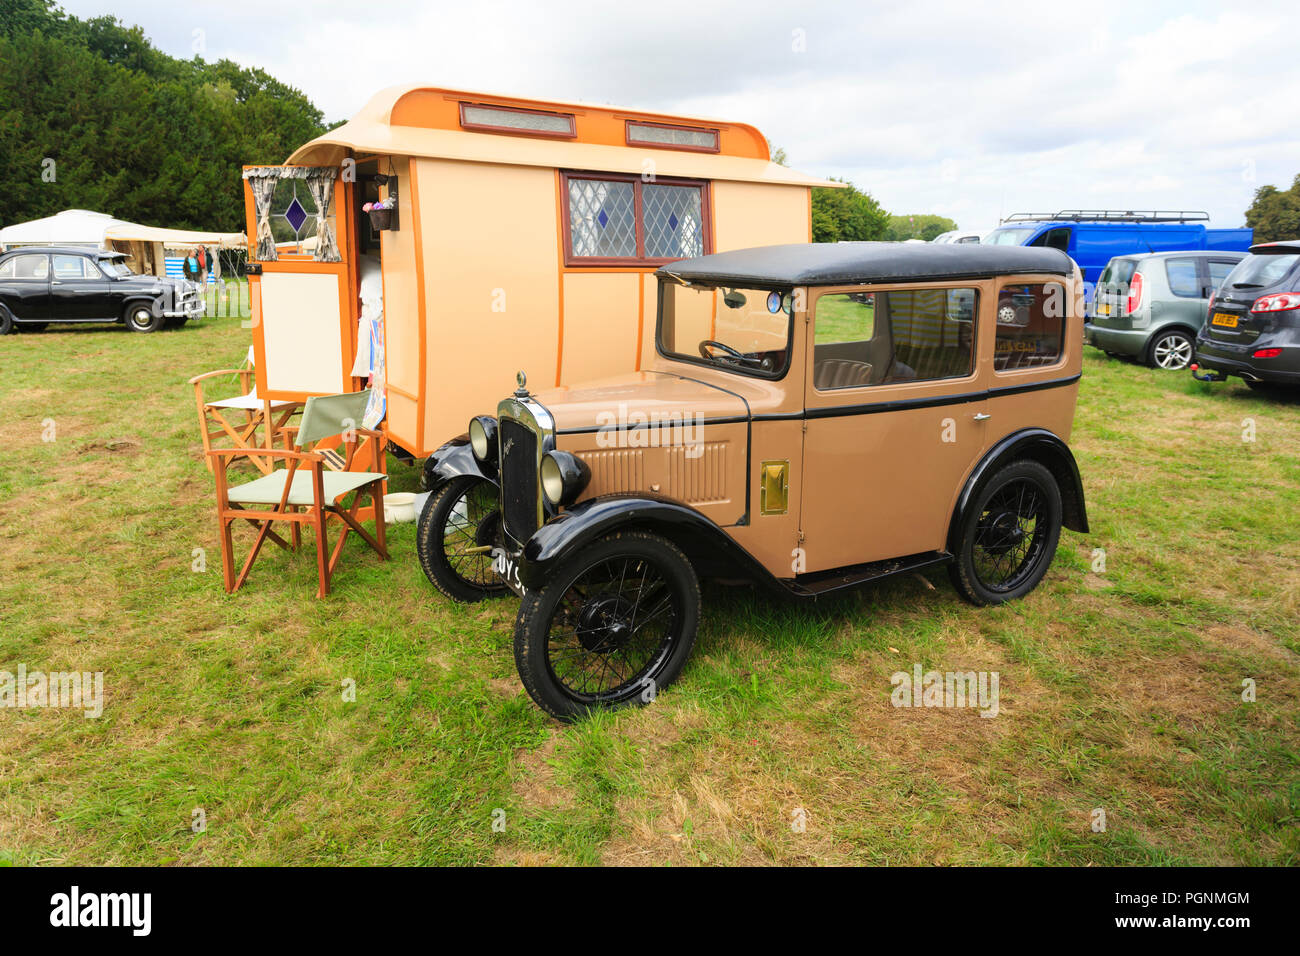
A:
{"points": [[93, 116]]}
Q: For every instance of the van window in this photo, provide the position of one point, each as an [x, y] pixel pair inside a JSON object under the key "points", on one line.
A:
{"points": [[25, 267], [1030, 324], [1184, 277], [1055, 239], [880, 338]]}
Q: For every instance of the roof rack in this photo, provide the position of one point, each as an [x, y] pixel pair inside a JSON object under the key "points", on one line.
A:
{"points": [[1112, 215]]}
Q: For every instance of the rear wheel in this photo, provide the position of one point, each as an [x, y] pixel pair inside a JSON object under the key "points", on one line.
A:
{"points": [[459, 527], [140, 317], [1172, 350], [1009, 535], [613, 627]]}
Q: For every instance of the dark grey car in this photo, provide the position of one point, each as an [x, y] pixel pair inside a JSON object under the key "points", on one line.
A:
{"points": [[1151, 306], [1253, 329]]}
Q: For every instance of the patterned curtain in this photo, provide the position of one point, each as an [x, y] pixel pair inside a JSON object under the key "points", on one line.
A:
{"points": [[262, 182], [320, 182]]}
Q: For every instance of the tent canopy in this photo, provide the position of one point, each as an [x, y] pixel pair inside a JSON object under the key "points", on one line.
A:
{"points": [[85, 228]]}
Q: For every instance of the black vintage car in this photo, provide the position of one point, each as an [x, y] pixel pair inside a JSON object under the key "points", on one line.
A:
{"points": [[44, 284]]}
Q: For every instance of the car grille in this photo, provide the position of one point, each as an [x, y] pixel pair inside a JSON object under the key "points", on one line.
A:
{"points": [[519, 479]]}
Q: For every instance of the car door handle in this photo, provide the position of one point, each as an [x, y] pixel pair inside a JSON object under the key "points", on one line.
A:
{"points": [[982, 417]]}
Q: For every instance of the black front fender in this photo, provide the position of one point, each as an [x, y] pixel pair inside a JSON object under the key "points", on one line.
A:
{"points": [[711, 550], [455, 459], [1036, 444]]}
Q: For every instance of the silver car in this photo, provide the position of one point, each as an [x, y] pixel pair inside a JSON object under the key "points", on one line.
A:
{"points": [[1150, 307]]}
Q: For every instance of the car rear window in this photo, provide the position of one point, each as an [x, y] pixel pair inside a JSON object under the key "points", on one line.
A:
{"points": [[1258, 271], [1118, 272]]}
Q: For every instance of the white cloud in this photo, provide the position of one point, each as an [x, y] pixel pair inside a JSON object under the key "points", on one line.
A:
{"points": [[971, 110]]}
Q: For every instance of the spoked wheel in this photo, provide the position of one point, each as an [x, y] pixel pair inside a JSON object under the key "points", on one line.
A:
{"points": [[458, 529], [1172, 350], [613, 627], [1009, 536]]}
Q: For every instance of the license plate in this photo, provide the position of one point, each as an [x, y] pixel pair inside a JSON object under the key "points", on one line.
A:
{"points": [[505, 566], [1103, 310], [1224, 320]]}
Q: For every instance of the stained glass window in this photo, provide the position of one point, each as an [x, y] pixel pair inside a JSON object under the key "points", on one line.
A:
{"points": [[293, 216], [604, 215]]}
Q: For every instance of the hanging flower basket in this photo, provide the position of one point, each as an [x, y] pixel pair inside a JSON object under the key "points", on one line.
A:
{"points": [[381, 213]]}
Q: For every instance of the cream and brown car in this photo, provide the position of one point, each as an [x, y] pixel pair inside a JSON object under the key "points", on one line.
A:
{"points": [[815, 417]]}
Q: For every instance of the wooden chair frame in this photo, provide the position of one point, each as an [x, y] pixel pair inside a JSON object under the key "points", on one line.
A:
{"points": [[317, 514], [244, 434]]}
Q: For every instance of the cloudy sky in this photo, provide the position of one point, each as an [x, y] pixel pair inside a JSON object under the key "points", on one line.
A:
{"points": [[971, 110]]}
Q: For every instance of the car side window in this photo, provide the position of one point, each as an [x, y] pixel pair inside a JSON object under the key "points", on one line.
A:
{"points": [[70, 267], [879, 338], [1219, 269], [1030, 324], [1055, 239], [1184, 277], [26, 267]]}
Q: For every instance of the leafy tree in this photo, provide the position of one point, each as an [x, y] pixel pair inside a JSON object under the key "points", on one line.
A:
{"points": [[846, 214], [921, 226], [93, 116], [1275, 213]]}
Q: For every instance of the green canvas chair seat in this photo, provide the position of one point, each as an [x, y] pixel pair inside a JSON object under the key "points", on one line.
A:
{"points": [[268, 489]]}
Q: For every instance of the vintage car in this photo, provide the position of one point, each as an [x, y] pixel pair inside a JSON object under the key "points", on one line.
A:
{"points": [[40, 285], [816, 417]]}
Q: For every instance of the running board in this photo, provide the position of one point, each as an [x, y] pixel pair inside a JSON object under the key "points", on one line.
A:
{"points": [[825, 582]]}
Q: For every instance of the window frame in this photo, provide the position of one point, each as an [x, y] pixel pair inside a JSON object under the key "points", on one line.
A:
{"points": [[640, 260], [69, 278], [775, 375], [1005, 282], [632, 141], [1202, 269], [49, 268], [946, 286], [513, 130]]}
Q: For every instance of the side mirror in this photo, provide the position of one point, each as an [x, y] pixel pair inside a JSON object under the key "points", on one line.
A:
{"points": [[734, 299]]}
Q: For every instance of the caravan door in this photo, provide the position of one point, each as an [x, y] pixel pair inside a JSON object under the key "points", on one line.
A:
{"points": [[302, 281]]}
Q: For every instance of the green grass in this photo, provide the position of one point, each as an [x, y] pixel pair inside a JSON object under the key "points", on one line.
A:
{"points": [[1120, 689]]}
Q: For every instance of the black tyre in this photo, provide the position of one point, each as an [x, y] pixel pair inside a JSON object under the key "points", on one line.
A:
{"points": [[1008, 537], [459, 527], [6, 322], [1171, 350], [140, 317], [613, 627]]}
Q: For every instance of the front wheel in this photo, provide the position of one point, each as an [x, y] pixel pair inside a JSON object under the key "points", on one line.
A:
{"points": [[140, 317], [1172, 350], [613, 627], [459, 527], [1009, 535]]}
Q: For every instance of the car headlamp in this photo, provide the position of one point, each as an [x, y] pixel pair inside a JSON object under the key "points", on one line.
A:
{"points": [[483, 438], [564, 475]]}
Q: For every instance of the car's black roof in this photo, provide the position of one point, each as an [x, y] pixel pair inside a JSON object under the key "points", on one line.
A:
{"points": [[68, 250], [1281, 247], [837, 263]]}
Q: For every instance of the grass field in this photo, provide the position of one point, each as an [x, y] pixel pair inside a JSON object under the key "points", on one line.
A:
{"points": [[1121, 689]]}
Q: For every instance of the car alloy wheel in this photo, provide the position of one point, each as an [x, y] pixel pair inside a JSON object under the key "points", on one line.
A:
{"points": [[613, 627], [1172, 351]]}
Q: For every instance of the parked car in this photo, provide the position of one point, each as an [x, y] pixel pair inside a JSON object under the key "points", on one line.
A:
{"points": [[1151, 307], [1092, 237], [40, 285], [814, 417], [1253, 325], [957, 235]]}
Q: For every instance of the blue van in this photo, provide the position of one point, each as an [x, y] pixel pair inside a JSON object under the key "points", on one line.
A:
{"points": [[1092, 237]]}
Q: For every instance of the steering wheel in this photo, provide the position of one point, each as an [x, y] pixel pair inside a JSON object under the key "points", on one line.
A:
{"points": [[732, 354]]}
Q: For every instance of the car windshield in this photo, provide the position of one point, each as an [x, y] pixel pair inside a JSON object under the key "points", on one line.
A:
{"points": [[115, 268], [744, 330], [1008, 237], [1256, 272]]}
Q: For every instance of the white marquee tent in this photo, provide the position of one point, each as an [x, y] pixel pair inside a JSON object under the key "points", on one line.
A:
{"points": [[143, 245]]}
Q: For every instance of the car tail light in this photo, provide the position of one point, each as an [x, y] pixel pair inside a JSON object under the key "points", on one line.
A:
{"points": [[1266, 353], [1277, 303], [1213, 296], [1134, 301]]}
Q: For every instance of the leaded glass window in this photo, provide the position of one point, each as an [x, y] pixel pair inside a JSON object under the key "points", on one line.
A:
{"points": [[627, 220], [602, 221], [672, 223], [293, 216]]}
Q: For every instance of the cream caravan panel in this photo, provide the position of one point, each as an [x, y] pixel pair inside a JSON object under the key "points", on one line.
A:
{"points": [[491, 286], [401, 291], [600, 324], [749, 214], [300, 328]]}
